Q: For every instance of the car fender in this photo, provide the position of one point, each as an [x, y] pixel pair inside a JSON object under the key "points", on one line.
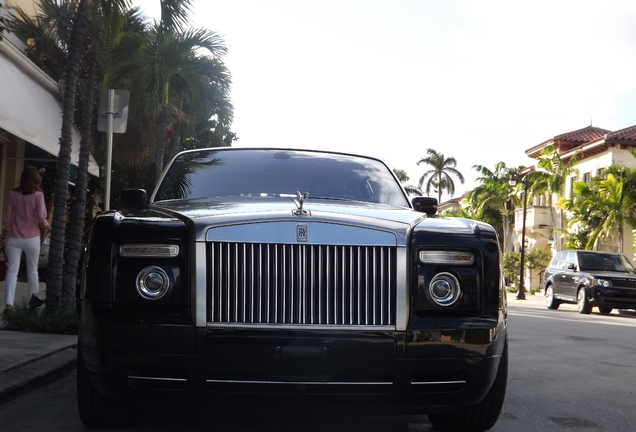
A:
{"points": [[584, 283]]}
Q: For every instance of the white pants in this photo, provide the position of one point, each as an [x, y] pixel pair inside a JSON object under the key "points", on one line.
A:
{"points": [[14, 248]]}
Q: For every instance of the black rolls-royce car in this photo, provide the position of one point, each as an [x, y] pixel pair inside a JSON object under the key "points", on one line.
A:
{"points": [[590, 279], [290, 278]]}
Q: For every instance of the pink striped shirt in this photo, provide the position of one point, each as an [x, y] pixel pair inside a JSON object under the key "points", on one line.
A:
{"points": [[24, 214]]}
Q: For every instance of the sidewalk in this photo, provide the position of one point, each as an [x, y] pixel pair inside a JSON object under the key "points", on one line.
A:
{"points": [[29, 360], [536, 297]]}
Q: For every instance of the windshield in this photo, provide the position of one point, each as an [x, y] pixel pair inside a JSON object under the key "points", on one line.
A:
{"points": [[604, 262], [279, 173]]}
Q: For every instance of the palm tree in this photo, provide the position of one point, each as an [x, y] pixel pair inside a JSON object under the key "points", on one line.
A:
{"points": [[113, 16], [58, 226], [438, 178], [51, 42], [204, 96], [459, 213], [403, 177], [48, 34], [550, 178], [493, 200], [50, 47], [604, 206], [165, 69]]}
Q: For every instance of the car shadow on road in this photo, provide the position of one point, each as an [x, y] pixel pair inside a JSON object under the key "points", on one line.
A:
{"points": [[201, 418], [619, 313]]}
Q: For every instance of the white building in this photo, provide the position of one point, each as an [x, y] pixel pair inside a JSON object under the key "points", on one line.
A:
{"points": [[597, 149]]}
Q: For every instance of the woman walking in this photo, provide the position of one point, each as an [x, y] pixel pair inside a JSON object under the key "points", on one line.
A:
{"points": [[24, 216]]}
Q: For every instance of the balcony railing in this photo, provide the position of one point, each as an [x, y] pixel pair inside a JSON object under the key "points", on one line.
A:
{"points": [[536, 217]]}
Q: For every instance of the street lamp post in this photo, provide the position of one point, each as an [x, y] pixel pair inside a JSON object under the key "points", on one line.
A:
{"points": [[521, 295]]}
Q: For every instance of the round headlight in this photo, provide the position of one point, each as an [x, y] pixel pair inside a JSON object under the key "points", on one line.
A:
{"points": [[152, 283], [444, 290]]}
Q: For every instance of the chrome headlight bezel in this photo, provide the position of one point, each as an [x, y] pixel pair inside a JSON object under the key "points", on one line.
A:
{"points": [[444, 290], [457, 270], [147, 288]]}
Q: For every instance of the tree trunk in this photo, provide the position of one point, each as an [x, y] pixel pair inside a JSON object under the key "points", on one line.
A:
{"points": [[161, 140], [78, 211], [176, 140], [54, 273]]}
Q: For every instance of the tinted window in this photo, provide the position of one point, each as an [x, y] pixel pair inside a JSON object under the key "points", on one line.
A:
{"points": [[237, 173], [604, 262]]}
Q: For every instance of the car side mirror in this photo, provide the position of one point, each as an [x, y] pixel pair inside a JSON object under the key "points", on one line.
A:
{"points": [[134, 199], [426, 205], [571, 266]]}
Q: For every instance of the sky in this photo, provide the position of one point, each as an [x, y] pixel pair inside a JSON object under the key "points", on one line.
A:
{"points": [[478, 80]]}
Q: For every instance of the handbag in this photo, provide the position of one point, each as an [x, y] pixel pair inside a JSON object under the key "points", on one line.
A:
{"points": [[3, 266]]}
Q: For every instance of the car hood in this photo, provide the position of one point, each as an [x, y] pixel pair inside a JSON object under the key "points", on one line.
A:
{"points": [[204, 214], [610, 274], [217, 210]]}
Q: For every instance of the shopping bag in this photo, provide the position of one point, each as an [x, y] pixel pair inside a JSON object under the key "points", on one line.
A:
{"points": [[43, 260], [3, 266]]}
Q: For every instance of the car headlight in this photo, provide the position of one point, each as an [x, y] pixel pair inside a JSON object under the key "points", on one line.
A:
{"points": [[153, 283], [447, 281], [444, 290], [602, 282]]}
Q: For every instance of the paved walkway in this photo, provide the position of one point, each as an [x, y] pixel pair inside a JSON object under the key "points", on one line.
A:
{"points": [[29, 360]]}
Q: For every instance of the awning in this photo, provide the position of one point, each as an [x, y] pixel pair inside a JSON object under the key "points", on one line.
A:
{"points": [[28, 106]]}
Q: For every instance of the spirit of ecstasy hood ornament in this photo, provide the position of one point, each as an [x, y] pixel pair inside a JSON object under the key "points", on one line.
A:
{"points": [[299, 201]]}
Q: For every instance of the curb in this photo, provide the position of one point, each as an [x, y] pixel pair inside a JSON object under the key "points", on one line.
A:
{"points": [[29, 376]]}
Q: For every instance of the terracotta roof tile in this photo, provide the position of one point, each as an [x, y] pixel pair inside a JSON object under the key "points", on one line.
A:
{"points": [[622, 136], [587, 134], [569, 140]]}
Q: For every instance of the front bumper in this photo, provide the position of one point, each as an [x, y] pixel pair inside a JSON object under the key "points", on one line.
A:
{"points": [[615, 298], [428, 369]]}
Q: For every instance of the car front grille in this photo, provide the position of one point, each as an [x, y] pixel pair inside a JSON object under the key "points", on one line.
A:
{"points": [[623, 282], [301, 284]]}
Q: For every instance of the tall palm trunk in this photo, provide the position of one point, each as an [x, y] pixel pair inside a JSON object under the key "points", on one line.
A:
{"points": [[54, 273], [176, 140], [78, 211], [162, 123]]}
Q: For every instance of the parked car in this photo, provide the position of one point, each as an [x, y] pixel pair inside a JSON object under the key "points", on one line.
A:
{"points": [[590, 279], [290, 278]]}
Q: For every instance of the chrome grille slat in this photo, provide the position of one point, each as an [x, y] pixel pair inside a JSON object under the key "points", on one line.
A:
{"points": [[301, 284]]}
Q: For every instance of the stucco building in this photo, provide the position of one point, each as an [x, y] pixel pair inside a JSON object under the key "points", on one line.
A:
{"points": [[596, 150]]}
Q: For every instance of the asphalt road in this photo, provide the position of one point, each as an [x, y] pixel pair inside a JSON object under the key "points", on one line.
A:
{"points": [[568, 372]]}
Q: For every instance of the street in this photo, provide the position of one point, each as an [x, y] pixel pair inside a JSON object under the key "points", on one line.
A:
{"points": [[568, 372]]}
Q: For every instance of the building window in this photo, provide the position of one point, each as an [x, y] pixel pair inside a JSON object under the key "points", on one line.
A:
{"points": [[572, 180], [600, 172], [586, 177]]}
